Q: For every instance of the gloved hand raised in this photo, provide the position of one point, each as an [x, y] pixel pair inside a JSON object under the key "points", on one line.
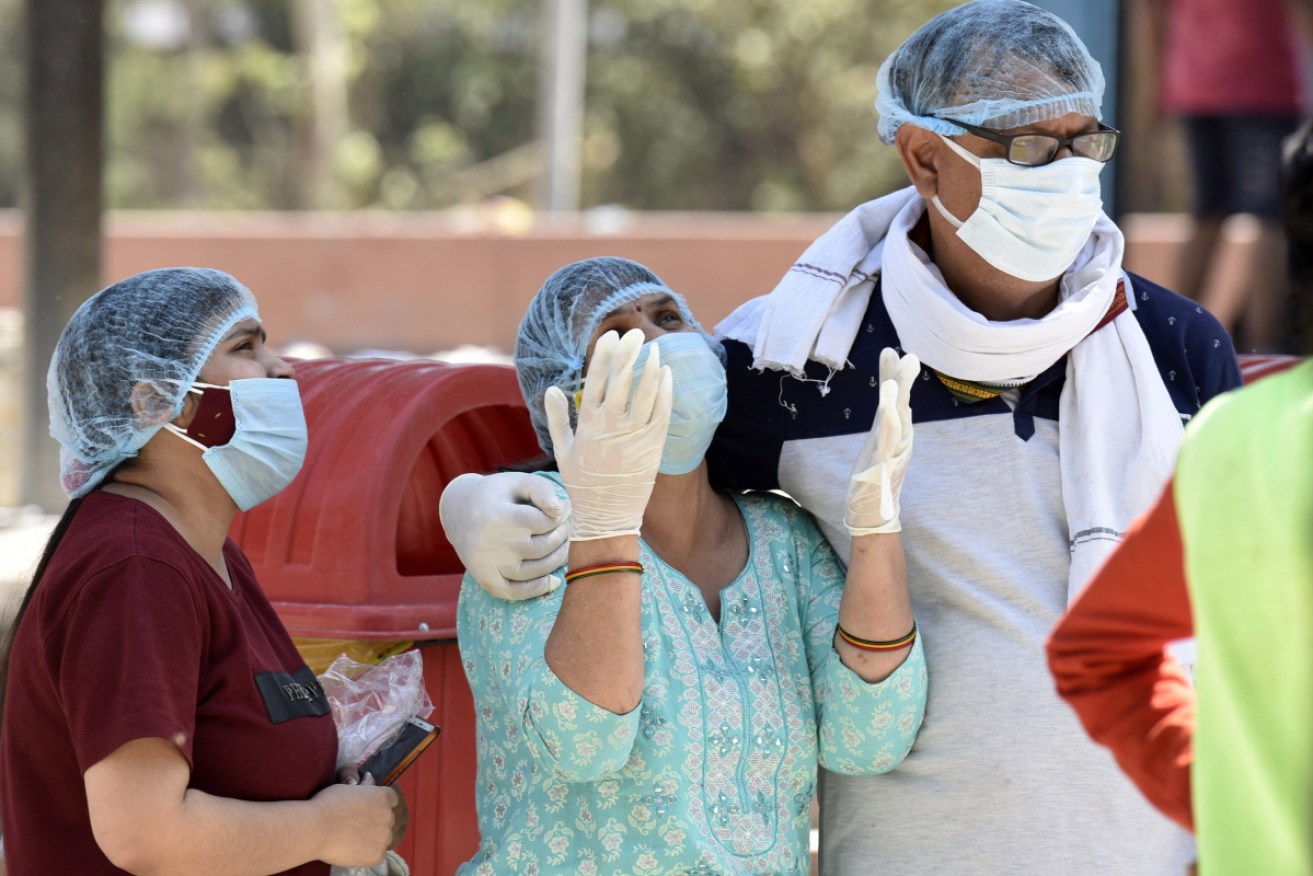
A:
{"points": [[609, 462], [510, 531], [878, 473]]}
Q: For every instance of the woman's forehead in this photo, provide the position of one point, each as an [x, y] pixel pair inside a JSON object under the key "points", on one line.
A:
{"points": [[246, 326], [650, 299]]}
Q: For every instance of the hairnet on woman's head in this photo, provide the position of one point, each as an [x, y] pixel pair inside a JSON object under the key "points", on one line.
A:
{"points": [[126, 359], [552, 341], [991, 63]]}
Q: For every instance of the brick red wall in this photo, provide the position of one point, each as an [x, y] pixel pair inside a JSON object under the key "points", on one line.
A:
{"points": [[425, 282]]}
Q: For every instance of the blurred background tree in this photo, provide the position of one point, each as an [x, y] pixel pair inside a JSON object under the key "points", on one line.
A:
{"points": [[424, 104]]}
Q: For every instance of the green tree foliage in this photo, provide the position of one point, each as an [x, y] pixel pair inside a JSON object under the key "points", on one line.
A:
{"points": [[11, 103], [691, 104], [762, 104]]}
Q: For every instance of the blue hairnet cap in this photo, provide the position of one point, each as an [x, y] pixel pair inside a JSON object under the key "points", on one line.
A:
{"points": [[125, 361], [991, 63], [552, 341]]}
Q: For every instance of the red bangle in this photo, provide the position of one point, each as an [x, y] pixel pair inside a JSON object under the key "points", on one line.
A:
{"points": [[602, 569], [872, 645]]}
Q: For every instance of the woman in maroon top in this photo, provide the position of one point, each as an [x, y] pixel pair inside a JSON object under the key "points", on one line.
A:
{"points": [[156, 716]]}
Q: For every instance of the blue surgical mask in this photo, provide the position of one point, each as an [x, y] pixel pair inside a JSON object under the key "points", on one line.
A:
{"points": [[269, 440], [700, 398]]}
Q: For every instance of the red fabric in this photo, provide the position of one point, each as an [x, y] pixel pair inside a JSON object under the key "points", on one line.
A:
{"points": [[1107, 655], [132, 635], [1116, 308], [1225, 57]]}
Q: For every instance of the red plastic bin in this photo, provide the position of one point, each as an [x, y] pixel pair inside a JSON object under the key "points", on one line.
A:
{"points": [[353, 548], [1256, 365]]}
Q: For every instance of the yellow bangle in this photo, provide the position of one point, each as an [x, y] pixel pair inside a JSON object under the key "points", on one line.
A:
{"points": [[602, 569]]}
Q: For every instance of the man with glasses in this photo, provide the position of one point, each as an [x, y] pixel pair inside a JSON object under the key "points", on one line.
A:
{"points": [[1047, 414]]}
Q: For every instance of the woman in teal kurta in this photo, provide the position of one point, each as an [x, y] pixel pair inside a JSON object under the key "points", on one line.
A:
{"points": [[743, 685]]}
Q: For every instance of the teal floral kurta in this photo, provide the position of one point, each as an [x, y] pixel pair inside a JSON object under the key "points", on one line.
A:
{"points": [[715, 771]]}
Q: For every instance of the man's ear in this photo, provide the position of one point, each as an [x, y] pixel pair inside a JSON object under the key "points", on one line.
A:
{"points": [[918, 149], [151, 408]]}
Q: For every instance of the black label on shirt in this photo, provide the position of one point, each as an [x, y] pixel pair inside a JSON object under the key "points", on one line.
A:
{"points": [[294, 695]]}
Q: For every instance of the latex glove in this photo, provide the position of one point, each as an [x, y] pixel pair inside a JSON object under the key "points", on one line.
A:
{"points": [[609, 462], [510, 531], [878, 473], [391, 865]]}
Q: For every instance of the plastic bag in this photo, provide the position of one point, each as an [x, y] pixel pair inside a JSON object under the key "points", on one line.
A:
{"points": [[319, 653], [370, 703]]}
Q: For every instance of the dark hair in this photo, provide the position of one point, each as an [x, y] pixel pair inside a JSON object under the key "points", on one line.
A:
{"points": [[1297, 213], [531, 466]]}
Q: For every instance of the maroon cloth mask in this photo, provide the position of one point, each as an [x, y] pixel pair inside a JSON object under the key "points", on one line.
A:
{"points": [[214, 423]]}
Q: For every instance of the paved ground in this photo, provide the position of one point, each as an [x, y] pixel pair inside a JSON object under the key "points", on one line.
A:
{"points": [[23, 534]]}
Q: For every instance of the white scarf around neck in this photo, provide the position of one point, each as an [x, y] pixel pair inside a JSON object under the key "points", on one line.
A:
{"points": [[1118, 429]]}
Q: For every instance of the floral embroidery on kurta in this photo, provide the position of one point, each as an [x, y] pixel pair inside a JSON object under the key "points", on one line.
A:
{"points": [[715, 771]]}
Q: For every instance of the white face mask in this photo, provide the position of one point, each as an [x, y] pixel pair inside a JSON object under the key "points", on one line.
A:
{"points": [[268, 444], [1032, 221]]}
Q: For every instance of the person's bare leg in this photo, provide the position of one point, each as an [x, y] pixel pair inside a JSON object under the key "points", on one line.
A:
{"points": [[1269, 289], [1196, 256], [1224, 289], [1247, 278]]}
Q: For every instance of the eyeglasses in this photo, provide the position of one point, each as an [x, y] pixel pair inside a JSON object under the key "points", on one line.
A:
{"points": [[1034, 150]]}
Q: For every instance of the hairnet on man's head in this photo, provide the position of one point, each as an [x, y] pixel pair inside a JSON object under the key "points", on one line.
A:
{"points": [[126, 359], [552, 341], [991, 63]]}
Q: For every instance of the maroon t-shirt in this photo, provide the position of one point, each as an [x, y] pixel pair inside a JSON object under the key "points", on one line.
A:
{"points": [[132, 635], [1227, 57]]}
